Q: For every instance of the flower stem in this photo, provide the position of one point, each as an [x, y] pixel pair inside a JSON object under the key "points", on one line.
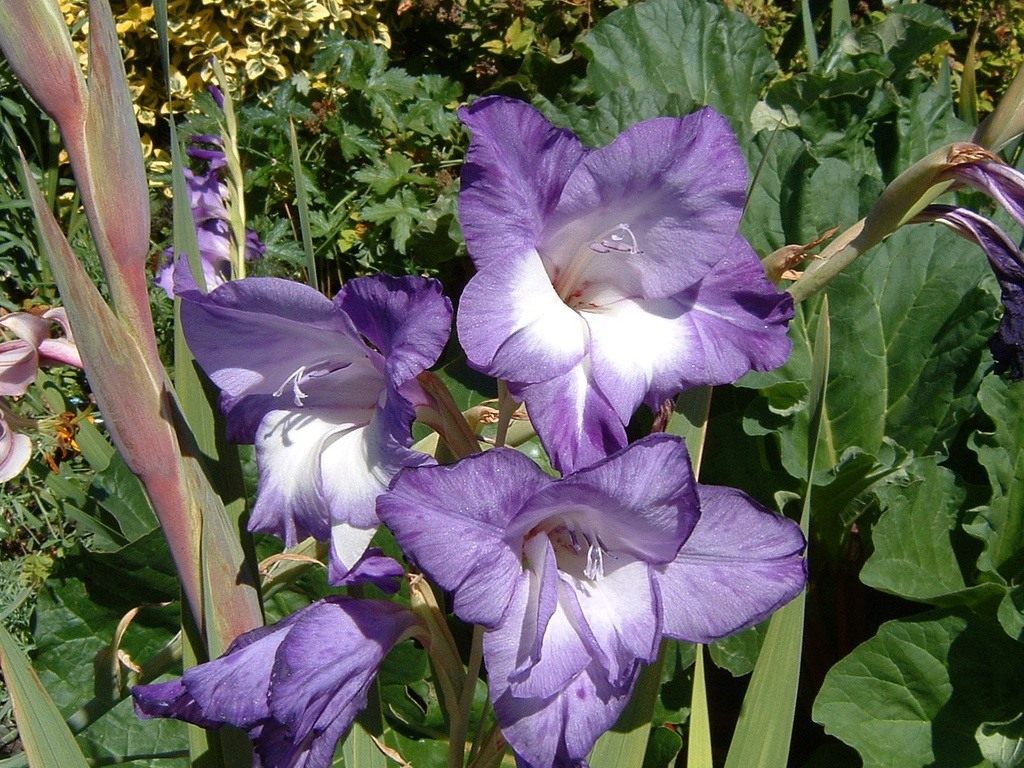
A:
{"points": [[506, 407], [460, 719]]}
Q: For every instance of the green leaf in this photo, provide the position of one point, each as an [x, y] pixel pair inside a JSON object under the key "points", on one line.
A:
{"points": [[117, 492], [625, 745], [738, 653], [77, 615], [705, 53], [45, 736], [913, 549], [764, 730], [911, 321], [1002, 743], [916, 693], [1000, 525]]}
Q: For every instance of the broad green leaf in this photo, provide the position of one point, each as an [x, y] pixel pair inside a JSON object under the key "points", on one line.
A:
{"points": [[924, 123], [119, 493], [738, 653], [1011, 612], [360, 751], [913, 549], [911, 321], [916, 693], [776, 197], [706, 53], [1000, 525], [662, 748], [1002, 743], [77, 615], [47, 741], [598, 123]]}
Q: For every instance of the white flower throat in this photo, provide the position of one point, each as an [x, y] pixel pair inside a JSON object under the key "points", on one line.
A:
{"points": [[572, 285]]}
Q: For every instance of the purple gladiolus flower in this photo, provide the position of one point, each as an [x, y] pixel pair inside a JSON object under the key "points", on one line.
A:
{"points": [[577, 580], [1007, 263], [609, 277], [207, 195], [326, 390], [294, 687]]}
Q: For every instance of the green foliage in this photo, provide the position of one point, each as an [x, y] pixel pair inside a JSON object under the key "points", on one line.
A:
{"points": [[916, 693], [380, 150]]}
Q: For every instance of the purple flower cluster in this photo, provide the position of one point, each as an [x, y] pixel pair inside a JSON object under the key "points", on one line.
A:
{"points": [[607, 278], [207, 196]]}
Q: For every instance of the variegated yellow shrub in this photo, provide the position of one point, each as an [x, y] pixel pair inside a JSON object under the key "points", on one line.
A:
{"points": [[257, 41]]}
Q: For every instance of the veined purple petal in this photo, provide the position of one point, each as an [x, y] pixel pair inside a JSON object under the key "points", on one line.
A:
{"points": [[295, 687], [515, 169], [997, 179], [574, 420], [452, 521], [269, 344], [641, 501], [652, 212], [407, 318], [739, 565]]}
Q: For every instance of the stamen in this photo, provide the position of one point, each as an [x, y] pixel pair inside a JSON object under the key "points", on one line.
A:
{"points": [[295, 379], [616, 240], [595, 561]]}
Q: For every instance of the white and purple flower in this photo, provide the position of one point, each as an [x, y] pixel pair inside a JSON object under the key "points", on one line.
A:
{"points": [[327, 392], [577, 580], [295, 687], [609, 277]]}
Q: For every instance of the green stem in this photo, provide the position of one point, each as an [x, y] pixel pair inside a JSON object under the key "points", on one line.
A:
{"points": [[460, 720]]}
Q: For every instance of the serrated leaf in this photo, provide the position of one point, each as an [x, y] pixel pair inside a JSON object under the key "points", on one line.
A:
{"points": [[915, 694], [701, 51]]}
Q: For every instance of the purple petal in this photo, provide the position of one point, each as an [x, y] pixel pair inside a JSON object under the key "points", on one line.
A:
{"points": [[575, 422], [739, 565], [515, 168], [1007, 263], [549, 650], [514, 326], [374, 567], [322, 672], [452, 521], [641, 501], [676, 185], [407, 318], [268, 342], [295, 687], [997, 179]]}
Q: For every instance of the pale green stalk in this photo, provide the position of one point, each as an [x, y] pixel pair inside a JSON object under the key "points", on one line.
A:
{"points": [[765, 727]]}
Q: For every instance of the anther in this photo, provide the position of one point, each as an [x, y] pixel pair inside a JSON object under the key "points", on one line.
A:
{"points": [[616, 240]]}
